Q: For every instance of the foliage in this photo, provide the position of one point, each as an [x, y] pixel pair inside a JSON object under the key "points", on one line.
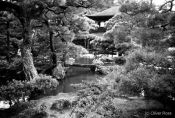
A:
{"points": [[118, 34], [120, 60], [96, 98], [148, 37], [124, 48], [93, 97], [32, 113], [16, 91], [17, 63], [148, 82], [135, 7], [44, 85], [162, 87], [103, 46], [57, 19], [10, 71], [146, 71], [171, 20], [18, 108], [134, 82], [76, 50], [141, 57], [134, 25]]}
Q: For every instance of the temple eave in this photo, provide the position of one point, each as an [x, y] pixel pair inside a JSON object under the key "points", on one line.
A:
{"points": [[100, 18]]}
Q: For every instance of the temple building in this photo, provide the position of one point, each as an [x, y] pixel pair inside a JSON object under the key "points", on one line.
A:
{"points": [[103, 16], [100, 18]]}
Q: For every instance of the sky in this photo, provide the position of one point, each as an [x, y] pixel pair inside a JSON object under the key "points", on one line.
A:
{"points": [[158, 2]]}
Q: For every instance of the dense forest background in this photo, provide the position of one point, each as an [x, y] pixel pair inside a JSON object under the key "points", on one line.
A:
{"points": [[37, 41]]}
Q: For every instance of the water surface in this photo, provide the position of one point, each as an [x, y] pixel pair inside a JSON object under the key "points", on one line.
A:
{"points": [[76, 75]]}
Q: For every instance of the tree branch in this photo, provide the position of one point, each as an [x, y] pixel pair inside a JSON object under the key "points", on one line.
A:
{"points": [[12, 8], [7, 6], [171, 6]]}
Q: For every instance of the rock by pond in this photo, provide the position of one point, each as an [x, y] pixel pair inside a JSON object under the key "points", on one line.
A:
{"points": [[60, 105], [59, 72]]}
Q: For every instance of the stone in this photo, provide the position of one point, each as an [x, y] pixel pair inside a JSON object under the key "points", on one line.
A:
{"points": [[58, 72], [60, 105], [70, 61], [97, 62]]}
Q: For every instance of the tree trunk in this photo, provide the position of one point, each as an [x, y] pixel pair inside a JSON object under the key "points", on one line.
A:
{"points": [[151, 3], [52, 48], [53, 56], [27, 58], [8, 42]]}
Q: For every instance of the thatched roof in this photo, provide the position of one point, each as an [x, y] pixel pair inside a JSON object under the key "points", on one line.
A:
{"points": [[106, 14]]}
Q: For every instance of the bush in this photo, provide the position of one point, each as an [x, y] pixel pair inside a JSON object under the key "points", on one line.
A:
{"points": [[152, 83], [98, 98], [142, 57], [17, 91], [120, 60], [75, 50], [46, 82], [123, 48], [17, 62], [44, 86], [148, 37], [22, 106], [32, 113], [16, 109], [163, 87], [95, 98], [134, 82]]}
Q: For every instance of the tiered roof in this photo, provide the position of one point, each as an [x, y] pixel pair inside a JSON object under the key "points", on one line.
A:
{"points": [[106, 14]]}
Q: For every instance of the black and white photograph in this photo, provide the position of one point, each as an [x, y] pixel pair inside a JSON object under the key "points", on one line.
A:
{"points": [[87, 58]]}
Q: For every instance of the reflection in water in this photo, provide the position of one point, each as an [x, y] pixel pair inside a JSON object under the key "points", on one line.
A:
{"points": [[76, 75]]}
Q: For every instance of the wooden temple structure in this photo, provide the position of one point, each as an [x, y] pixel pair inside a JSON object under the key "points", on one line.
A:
{"points": [[100, 18], [105, 15]]}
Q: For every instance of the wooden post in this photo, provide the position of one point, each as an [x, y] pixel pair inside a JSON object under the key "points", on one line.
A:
{"points": [[93, 68]]}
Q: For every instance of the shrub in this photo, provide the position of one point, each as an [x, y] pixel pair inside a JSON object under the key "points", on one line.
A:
{"points": [[148, 37], [120, 60], [16, 91], [44, 85], [123, 48], [134, 82], [142, 57], [22, 106], [75, 50], [19, 108], [46, 82], [17, 62], [153, 84], [32, 113], [97, 99], [163, 87]]}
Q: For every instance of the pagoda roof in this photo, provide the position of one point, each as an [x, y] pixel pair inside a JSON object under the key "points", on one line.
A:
{"points": [[106, 14]]}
